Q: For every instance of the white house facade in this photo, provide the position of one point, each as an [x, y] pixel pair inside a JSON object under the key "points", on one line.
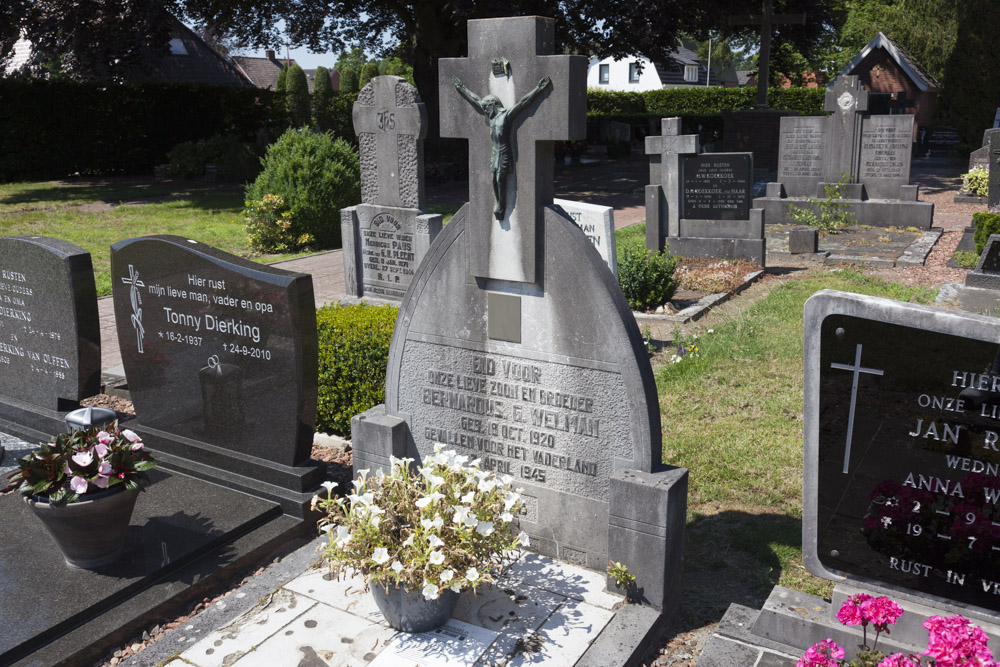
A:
{"points": [[685, 71]]}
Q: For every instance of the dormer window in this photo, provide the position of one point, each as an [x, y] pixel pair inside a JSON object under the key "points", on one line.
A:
{"points": [[691, 73], [633, 72], [177, 47]]}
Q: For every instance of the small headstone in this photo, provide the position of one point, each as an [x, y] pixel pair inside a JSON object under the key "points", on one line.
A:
{"points": [[986, 275], [387, 235], [220, 355], [886, 144], [598, 223], [938, 140], [980, 158], [803, 240], [531, 362], [50, 342], [700, 203], [800, 154]]}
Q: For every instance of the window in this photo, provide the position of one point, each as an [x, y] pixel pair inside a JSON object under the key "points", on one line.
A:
{"points": [[602, 74], [691, 73], [177, 47], [633, 73]]}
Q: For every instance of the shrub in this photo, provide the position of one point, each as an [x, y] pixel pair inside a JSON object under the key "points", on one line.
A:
{"points": [[281, 85], [237, 160], [353, 354], [646, 278], [267, 222], [977, 181], [316, 175], [322, 98], [297, 97], [831, 213], [368, 72], [349, 80], [986, 224]]}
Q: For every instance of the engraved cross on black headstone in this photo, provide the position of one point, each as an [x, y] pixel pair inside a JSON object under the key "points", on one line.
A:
{"points": [[766, 20], [390, 120], [857, 369], [507, 58]]}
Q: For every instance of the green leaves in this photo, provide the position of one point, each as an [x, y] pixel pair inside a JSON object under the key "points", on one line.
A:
{"points": [[646, 278]]}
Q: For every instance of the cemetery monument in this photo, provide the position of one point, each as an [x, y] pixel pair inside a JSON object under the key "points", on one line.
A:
{"points": [[871, 152], [387, 235], [514, 344], [598, 223], [50, 342], [700, 203]]}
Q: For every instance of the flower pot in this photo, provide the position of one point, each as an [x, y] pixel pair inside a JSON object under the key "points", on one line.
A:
{"points": [[411, 612], [90, 532]]}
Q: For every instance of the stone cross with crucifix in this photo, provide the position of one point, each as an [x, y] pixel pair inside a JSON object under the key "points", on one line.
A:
{"points": [[391, 121], [846, 99], [508, 62], [767, 19]]}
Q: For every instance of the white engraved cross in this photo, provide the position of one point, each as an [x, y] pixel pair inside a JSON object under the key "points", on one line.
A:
{"points": [[857, 369]]}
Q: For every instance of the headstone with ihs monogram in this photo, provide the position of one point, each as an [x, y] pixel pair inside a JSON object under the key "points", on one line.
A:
{"points": [[514, 343], [387, 235]]}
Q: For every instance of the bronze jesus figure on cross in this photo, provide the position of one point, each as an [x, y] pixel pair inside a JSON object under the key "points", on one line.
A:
{"points": [[500, 120]]}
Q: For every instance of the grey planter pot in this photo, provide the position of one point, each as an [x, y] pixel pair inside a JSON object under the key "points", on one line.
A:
{"points": [[411, 612], [89, 533]]}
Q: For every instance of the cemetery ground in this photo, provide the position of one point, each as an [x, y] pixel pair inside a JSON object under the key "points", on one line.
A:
{"points": [[731, 401]]}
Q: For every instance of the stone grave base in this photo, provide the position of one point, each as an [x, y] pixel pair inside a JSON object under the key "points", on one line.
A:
{"points": [[874, 212], [875, 247], [970, 299], [969, 198], [790, 622], [30, 422], [186, 536], [542, 611], [752, 250]]}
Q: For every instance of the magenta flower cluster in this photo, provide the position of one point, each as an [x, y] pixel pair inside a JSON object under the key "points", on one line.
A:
{"points": [[85, 458], [952, 642]]}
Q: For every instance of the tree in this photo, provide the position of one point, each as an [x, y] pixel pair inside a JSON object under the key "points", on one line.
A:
{"points": [[297, 97], [349, 80], [282, 82], [354, 58], [322, 98], [368, 72]]}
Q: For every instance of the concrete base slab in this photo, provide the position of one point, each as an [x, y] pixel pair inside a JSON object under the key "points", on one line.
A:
{"points": [[970, 299], [874, 212]]}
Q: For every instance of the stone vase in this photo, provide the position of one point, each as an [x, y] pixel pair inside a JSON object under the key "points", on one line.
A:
{"points": [[89, 532], [409, 611]]}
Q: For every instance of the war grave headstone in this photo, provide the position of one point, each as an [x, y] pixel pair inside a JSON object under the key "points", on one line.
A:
{"points": [[901, 478], [872, 152], [700, 203], [387, 235], [598, 223], [50, 343], [530, 360], [220, 358]]}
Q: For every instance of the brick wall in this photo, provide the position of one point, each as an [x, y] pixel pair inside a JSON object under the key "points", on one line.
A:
{"points": [[879, 73]]}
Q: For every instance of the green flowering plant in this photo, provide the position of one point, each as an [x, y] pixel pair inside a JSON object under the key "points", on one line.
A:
{"points": [[268, 224], [444, 525], [977, 181], [86, 461]]}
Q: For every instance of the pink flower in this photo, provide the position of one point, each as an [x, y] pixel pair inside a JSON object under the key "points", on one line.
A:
{"points": [[78, 484], [101, 481], [900, 660], [137, 446], [955, 642], [67, 470], [850, 612], [83, 459], [104, 437], [822, 654], [881, 611], [104, 468], [130, 435], [101, 450]]}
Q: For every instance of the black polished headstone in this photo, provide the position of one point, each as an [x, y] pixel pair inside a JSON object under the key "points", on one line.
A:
{"points": [[220, 355], [50, 343], [902, 453], [716, 186]]}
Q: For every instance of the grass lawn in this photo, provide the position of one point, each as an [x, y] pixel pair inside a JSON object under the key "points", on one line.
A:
{"points": [[732, 414], [88, 214]]}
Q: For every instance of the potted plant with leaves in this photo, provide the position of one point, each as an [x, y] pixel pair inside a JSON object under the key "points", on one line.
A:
{"points": [[422, 535], [83, 487]]}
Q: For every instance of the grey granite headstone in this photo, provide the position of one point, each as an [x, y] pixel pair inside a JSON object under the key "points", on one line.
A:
{"points": [[886, 144], [980, 158], [387, 235], [699, 204], [598, 223], [50, 343], [546, 378], [800, 154], [845, 100], [220, 355], [986, 275], [993, 200]]}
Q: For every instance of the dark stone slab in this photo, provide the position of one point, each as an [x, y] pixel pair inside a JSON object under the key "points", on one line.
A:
{"points": [[901, 448], [727, 653], [800, 154], [803, 240], [993, 139], [180, 526], [986, 275], [716, 186], [979, 158], [886, 143], [220, 357], [50, 344]]}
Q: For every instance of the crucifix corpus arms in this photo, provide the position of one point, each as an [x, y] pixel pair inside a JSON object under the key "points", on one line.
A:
{"points": [[499, 121]]}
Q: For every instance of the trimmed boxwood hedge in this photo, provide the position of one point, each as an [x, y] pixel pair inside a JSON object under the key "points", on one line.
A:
{"points": [[353, 354], [986, 225]]}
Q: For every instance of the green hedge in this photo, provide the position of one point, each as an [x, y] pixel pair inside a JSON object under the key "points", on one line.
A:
{"points": [[353, 354], [986, 225], [700, 101], [52, 129]]}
